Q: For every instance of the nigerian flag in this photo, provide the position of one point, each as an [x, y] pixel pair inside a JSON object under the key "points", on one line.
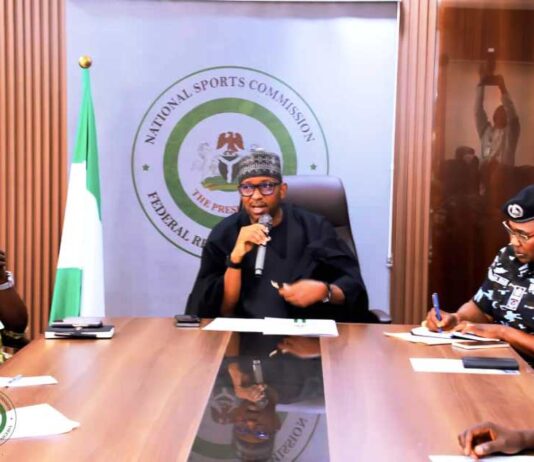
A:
{"points": [[79, 287]]}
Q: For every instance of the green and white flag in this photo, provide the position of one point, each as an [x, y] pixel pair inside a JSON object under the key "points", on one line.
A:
{"points": [[79, 287]]}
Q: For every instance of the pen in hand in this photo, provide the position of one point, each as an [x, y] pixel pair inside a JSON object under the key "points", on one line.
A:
{"points": [[435, 302], [274, 352]]}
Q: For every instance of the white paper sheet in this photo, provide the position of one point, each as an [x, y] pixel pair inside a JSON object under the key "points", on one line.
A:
{"points": [[417, 339], [28, 381], [236, 325], [276, 326], [452, 366], [308, 327], [490, 458], [40, 420], [82, 320], [426, 332]]}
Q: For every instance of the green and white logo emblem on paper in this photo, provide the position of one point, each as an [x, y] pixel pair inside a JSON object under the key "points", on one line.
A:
{"points": [[191, 138], [8, 418]]}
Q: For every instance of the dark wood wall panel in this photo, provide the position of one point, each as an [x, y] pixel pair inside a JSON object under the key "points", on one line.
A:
{"points": [[468, 32], [413, 146], [32, 146]]}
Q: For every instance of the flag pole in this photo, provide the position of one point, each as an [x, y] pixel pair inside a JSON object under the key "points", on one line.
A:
{"points": [[85, 62], [79, 283]]}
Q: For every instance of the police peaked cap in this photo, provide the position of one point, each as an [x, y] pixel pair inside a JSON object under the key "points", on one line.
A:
{"points": [[520, 208]]}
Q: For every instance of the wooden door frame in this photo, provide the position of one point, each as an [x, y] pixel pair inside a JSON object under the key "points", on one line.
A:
{"points": [[413, 154]]}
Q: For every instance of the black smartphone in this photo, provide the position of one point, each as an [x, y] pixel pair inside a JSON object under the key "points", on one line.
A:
{"points": [[187, 320], [483, 362]]}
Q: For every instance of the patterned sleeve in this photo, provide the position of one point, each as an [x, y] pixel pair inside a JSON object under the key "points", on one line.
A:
{"points": [[481, 118], [485, 295]]}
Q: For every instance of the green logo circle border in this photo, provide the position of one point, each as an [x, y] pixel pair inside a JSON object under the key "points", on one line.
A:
{"points": [[5, 405], [197, 115], [224, 451], [155, 101], [3, 418]]}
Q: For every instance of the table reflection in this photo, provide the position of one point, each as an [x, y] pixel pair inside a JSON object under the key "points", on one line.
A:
{"points": [[267, 403]]}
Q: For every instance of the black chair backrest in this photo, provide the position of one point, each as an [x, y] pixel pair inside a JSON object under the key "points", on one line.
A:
{"points": [[325, 195]]}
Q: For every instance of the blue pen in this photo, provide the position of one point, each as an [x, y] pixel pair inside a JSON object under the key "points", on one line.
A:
{"points": [[435, 302]]}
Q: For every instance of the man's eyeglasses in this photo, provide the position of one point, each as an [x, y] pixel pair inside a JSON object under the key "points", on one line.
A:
{"points": [[260, 434], [266, 188], [519, 235]]}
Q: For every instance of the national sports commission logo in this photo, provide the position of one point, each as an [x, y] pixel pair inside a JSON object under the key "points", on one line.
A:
{"points": [[190, 140], [8, 418]]}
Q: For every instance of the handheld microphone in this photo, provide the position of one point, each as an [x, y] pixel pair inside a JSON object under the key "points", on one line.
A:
{"points": [[257, 371], [258, 378], [267, 221]]}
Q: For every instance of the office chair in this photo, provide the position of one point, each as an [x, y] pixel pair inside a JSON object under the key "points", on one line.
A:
{"points": [[325, 195]]}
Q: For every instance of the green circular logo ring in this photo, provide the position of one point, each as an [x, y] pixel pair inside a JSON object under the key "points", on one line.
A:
{"points": [[3, 418], [7, 422], [225, 451], [197, 115]]}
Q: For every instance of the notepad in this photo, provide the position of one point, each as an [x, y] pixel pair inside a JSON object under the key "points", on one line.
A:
{"points": [[303, 327], [409, 337], [103, 332], [476, 345], [426, 332]]}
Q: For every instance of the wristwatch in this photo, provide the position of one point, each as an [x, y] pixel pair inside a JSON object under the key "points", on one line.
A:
{"points": [[9, 283], [231, 264], [328, 297]]}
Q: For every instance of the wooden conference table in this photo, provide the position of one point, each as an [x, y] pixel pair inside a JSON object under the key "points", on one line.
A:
{"points": [[141, 396]]}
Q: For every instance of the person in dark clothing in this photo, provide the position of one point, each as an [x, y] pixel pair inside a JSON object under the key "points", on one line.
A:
{"points": [[502, 307], [13, 311], [461, 175], [309, 271]]}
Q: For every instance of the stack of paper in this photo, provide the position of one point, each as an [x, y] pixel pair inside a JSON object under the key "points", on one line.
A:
{"points": [[277, 326], [424, 335], [79, 332], [418, 339], [39, 420], [426, 332]]}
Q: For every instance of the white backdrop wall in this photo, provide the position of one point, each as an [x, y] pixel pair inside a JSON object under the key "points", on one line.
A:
{"points": [[335, 62]]}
